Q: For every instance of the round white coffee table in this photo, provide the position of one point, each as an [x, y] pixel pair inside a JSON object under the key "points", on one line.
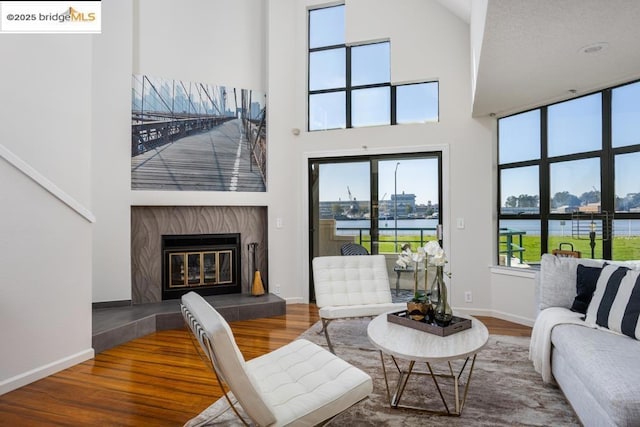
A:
{"points": [[410, 344]]}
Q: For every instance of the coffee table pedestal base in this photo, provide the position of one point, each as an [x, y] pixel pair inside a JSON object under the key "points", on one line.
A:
{"points": [[403, 378]]}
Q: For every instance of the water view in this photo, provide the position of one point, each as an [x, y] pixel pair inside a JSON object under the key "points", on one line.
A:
{"points": [[407, 227], [621, 227]]}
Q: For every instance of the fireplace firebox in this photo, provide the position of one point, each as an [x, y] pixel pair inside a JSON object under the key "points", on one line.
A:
{"points": [[206, 263]]}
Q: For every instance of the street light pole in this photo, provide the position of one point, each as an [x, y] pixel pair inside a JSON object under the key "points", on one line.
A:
{"points": [[395, 205]]}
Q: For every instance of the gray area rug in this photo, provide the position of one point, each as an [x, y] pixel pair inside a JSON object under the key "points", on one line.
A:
{"points": [[504, 388]]}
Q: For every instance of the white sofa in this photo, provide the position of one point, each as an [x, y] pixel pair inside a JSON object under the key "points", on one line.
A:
{"points": [[598, 370]]}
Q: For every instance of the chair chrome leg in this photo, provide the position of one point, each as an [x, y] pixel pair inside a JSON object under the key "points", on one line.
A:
{"points": [[325, 324]]}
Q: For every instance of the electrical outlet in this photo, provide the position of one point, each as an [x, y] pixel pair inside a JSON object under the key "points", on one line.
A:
{"points": [[468, 297], [460, 223], [277, 289]]}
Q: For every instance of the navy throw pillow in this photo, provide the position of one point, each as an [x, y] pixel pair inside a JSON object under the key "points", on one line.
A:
{"points": [[587, 277]]}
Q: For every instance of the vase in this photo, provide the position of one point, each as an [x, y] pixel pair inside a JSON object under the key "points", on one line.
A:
{"points": [[258, 288], [439, 299], [434, 293]]}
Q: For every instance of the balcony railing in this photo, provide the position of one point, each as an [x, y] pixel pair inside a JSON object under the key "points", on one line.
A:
{"points": [[411, 235], [511, 248]]}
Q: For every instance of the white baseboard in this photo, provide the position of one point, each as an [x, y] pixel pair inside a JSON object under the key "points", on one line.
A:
{"points": [[497, 314], [295, 300], [36, 374], [473, 311], [513, 318]]}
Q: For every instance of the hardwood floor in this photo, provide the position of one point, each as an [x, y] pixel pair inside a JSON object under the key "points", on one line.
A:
{"points": [[156, 380]]}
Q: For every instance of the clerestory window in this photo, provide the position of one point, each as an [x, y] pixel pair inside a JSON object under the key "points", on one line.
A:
{"points": [[350, 85]]}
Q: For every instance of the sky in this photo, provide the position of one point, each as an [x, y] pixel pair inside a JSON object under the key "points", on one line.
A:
{"points": [[198, 95], [573, 127], [370, 64], [414, 176]]}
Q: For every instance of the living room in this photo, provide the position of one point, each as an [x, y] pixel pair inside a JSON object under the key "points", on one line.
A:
{"points": [[66, 148]]}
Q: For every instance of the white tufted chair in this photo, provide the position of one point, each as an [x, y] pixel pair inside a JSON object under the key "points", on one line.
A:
{"points": [[299, 384], [351, 286]]}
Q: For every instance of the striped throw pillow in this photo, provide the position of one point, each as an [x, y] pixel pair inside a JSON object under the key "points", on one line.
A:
{"points": [[616, 302]]}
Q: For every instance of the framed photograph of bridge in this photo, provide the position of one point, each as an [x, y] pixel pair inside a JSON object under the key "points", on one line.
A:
{"points": [[189, 136]]}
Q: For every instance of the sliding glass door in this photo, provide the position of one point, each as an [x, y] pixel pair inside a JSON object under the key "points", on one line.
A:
{"points": [[378, 202]]}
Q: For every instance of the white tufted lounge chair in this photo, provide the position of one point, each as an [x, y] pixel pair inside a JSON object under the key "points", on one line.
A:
{"points": [[351, 286], [299, 384]]}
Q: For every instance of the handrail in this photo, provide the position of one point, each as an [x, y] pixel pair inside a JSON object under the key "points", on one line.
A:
{"points": [[510, 246], [421, 242], [41, 180]]}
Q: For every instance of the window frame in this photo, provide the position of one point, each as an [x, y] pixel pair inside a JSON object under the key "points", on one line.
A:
{"points": [[606, 156], [349, 88]]}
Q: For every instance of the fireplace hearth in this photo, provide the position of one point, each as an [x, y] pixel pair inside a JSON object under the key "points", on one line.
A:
{"points": [[207, 263]]}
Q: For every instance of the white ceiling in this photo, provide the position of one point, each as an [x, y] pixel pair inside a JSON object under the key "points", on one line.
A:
{"points": [[532, 50]]}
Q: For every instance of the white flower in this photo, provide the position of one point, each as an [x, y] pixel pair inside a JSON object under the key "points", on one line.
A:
{"points": [[407, 258], [431, 251], [401, 262], [439, 258], [435, 253], [419, 256], [431, 247]]}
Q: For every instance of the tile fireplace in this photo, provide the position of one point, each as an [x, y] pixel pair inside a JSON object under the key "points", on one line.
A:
{"points": [[190, 260]]}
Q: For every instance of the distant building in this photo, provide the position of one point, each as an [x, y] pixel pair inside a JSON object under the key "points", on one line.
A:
{"points": [[255, 110], [590, 208], [407, 208], [507, 210], [406, 204]]}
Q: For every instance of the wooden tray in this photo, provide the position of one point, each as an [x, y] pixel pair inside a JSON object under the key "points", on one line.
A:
{"points": [[457, 324]]}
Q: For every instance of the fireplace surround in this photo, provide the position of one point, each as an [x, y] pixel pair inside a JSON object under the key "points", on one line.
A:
{"points": [[150, 223]]}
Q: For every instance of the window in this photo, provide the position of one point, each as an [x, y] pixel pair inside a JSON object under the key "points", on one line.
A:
{"points": [[381, 202], [575, 126], [350, 86], [417, 103], [370, 107], [567, 172], [574, 184], [374, 201], [519, 137], [520, 190], [625, 115]]}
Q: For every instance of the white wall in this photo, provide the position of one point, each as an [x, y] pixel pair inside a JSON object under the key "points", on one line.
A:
{"points": [[435, 45], [287, 193], [478, 18], [45, 246], [111, 136], [219, 42], [427, 42], [513, 295], [66, 104]]}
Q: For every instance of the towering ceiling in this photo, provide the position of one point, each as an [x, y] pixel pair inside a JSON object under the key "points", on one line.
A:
{"points": [[543, 51]]}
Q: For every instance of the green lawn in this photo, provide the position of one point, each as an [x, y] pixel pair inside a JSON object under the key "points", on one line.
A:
{"points": [[386, 243], [624, 248]]}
